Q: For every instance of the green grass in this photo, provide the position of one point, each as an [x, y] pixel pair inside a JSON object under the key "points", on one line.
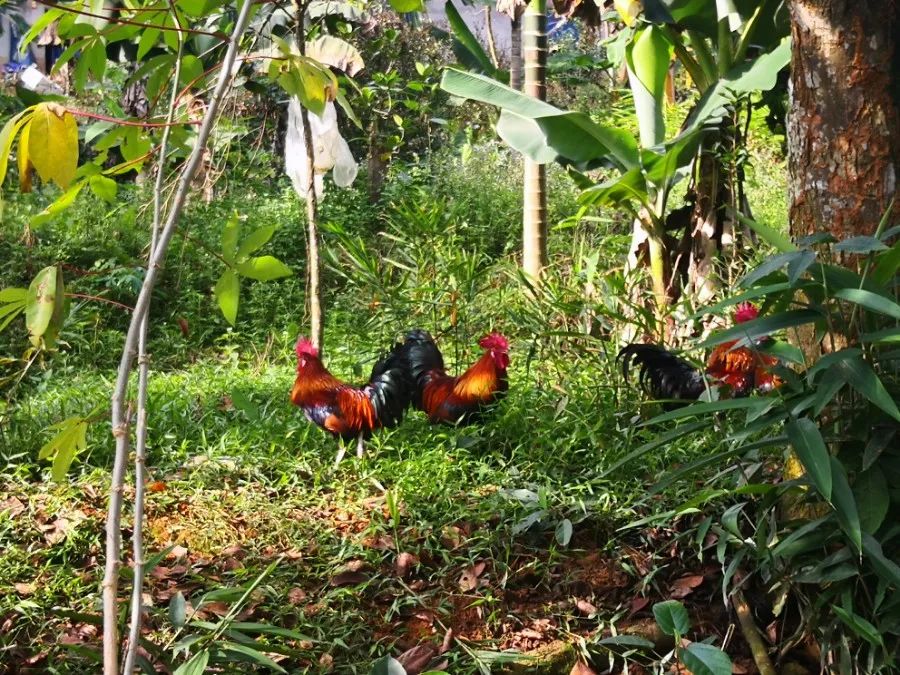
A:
{"points": [[240, 479]]}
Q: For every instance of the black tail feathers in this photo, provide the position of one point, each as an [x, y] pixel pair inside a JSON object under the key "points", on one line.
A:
{"points": [[662, 375], [420, 356], [390, 386]]}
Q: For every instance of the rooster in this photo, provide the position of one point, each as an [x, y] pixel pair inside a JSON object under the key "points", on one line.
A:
{"points": [[738, 371], [455, 400], [350, 412]]}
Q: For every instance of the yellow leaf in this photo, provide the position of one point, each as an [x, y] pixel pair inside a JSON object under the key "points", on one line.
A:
{"points": [[53, 143], [628, 10], [8, 135], [24, 163]]}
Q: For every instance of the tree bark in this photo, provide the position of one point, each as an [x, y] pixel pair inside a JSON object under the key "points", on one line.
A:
{"points": [[844, 123], [534, 229]]}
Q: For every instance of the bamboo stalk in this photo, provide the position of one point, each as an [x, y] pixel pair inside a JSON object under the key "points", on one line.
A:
{"points": [[110, 583], [752, 636]]}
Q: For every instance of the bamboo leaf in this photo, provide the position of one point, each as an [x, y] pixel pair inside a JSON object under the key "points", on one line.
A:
{"points": [[807, 442], [252, 654], [873, 498], [869, 300], [861, 377], [763, 326], [196, 666], [844, 504]]}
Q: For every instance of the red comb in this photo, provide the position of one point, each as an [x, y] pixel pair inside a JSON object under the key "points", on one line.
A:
{"points": [[306, 348], [745, 312], [494, 341]]}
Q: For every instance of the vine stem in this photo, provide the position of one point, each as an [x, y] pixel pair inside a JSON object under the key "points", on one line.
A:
{"points": [[140, 432], [110, 584]]}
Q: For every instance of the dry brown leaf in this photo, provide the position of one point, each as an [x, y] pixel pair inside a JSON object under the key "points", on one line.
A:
{"points": [[354, 566], [637, 604], [404, 564], [469, 580], [447, 643], [585, 607], [416, 660], [177, 552], [348, 579], [383, 542], [24, 589], [326, 661], [581, 668], [296, 595], [12, 506], [683, 587]]}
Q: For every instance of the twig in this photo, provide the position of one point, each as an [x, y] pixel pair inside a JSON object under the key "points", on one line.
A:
{"points": [[130, 123], [119, 20], [312, 207], [119, 421], [751, 635], [140, 432], [97, 298]]}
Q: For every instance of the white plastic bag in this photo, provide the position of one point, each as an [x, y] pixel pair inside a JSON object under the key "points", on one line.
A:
{"points": [[330, 150]]}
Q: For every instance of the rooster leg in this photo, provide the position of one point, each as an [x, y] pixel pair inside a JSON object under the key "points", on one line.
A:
{"points": [[360, 447], [342, 449]]}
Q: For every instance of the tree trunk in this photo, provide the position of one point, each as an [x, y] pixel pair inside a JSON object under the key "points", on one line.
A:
{"points": [[844, 124], [534, 230], [516, 66]]}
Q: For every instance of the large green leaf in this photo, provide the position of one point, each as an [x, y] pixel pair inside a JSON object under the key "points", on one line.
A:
{"points": [[844, 504], [470, 53], [44, 305], [227, 292], [648, 55], [861, 377], [255, 241], [387, 665], [758, 75], [263, 268], [407, 6], [622, 191], [807, 442], [196, 666], [703, 659], [230, 233], [672, 617], [574, 137]]}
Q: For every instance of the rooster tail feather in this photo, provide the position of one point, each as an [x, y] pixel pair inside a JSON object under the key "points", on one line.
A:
{"points": [[420, 356], [661, 374], [390, 387]]}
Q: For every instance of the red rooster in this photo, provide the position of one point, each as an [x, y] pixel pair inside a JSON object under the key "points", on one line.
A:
{"points": [[741, 370], [346, 411], [455, 400]]}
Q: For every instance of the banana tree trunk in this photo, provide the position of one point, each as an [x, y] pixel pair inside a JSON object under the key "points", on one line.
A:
{"points": [[516, 65], [534, 230]]}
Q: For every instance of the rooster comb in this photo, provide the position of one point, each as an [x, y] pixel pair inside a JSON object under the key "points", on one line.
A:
{"points": [[306, 348], [495, 341], [745, 312]]}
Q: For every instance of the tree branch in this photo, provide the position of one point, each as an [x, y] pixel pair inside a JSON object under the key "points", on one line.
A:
{"points": [[119, 420], [140, 432]]}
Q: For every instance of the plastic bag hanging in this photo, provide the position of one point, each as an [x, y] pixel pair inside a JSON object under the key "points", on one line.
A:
{"points": [[330, 150]]}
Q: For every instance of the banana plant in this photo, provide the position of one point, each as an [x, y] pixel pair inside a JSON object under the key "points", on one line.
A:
{"points": [[646, 172]]}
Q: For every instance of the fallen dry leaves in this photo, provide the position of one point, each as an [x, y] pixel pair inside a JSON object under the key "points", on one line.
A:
{"points": [[470, 579]]}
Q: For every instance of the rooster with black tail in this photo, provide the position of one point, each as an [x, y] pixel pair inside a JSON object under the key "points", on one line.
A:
{"points": [[738, 371], [346, 411]]}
